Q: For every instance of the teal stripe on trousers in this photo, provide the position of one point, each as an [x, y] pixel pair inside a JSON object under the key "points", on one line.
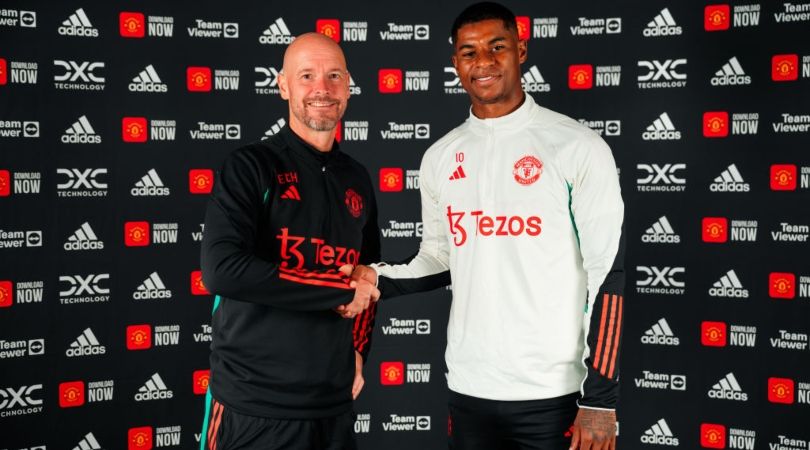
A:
{"points": [[208, 397]]}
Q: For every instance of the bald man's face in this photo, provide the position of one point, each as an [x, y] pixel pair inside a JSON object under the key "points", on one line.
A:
{"points": [[315, 82]]}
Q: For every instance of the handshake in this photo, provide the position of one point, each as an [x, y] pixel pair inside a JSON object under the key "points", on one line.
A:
{"points": [[364, 282]]}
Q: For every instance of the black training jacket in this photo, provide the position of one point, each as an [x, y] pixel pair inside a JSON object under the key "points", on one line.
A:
{"points": [[282, 218]]}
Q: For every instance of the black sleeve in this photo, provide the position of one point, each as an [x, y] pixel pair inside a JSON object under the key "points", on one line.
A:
{"points": [[364, 323], [230, 266], [601, 386]]}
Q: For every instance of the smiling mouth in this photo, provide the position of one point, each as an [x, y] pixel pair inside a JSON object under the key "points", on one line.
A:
{"points": [[485, 79], [321, 104]]}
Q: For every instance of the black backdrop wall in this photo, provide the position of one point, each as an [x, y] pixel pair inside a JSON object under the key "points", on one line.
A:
{"points": [[113, 115]]}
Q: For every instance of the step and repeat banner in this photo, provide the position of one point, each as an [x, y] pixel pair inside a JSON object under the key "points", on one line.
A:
{"points": [[114, 116]]}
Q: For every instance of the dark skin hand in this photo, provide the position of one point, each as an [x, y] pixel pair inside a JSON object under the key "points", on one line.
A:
{"points": [[594, 429]]}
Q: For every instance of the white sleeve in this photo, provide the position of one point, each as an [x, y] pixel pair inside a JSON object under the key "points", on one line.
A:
{"points": [[429, 268]]}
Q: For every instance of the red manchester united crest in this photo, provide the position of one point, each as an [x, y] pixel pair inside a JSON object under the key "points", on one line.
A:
{"points": [[354, 202], [527, 170]]}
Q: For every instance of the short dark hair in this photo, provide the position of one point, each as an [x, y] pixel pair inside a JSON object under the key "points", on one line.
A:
{"points": [[484, 11]]}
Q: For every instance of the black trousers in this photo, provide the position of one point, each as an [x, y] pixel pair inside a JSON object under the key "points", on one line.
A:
{"points": [[479, 424], [229, 430]]}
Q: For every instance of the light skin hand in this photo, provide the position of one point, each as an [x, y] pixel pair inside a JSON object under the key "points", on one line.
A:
{"points": [[364, 294], [594, 429], [359, 381]]}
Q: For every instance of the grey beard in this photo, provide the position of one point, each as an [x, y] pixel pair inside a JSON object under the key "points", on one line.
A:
{"points": [[320, 125]]}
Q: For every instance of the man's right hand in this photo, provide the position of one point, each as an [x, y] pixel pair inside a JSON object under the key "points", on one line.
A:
{"points": [[365, 292], [364, 273]]}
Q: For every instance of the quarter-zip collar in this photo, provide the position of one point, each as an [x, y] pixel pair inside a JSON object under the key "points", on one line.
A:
{"points": [[517, 119], [307, 152]]}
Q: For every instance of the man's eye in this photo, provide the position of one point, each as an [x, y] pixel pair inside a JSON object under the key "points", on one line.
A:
{"points": [[306, 76], [500, 47], [467, 54], [335, 76]]}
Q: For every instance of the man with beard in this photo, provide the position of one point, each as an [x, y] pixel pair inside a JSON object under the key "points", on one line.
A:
{"points": [[285, 216], [522, 206]]}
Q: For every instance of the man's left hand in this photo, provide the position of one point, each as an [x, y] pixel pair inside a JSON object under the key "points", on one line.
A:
{"points": [[357, 386], [594, 429]]}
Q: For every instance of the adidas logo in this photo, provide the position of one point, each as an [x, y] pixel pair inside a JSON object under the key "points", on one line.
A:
{"points": [[85, 345], [150, 185], [458, 174], [728, 389], [730, 74], [89, 442], [275, 128], [81, 132], [728, 286], [662, 129], [291, 194], [533, 81], [84, 239], [147, 81], [77, 25], [660, 434], [662, 25], [660, 334], [353, 88], [153, 389], [152, 287], [730, 181], [276, 33], [660, 232]]}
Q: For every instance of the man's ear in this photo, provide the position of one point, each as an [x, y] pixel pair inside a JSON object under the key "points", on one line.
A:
{"points": [[282, 85], [523, 51]]}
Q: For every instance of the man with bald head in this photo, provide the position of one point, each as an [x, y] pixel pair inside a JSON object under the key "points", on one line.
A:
{"points": [[286, 219]]}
